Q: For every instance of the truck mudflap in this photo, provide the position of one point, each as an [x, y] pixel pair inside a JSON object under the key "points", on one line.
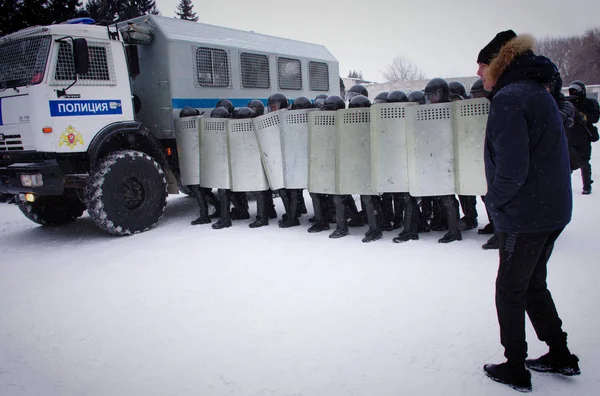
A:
{"points": [[51, 178]]}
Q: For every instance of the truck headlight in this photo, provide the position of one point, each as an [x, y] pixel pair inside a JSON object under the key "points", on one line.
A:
{"points": [[34, 180]]}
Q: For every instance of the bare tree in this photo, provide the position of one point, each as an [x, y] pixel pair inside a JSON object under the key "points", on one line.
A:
{"points": [[559, 50], [402, 69], [587, 57]]}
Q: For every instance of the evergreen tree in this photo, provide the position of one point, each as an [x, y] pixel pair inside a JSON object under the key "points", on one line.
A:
{"points": [[185, 11], [105, 10], [10, 21], [60, 11]]}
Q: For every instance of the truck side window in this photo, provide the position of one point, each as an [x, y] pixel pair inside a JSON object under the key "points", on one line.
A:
{"points": [[98, 73], [255, 71], [318, 75], [212, 67], [290, 73]]}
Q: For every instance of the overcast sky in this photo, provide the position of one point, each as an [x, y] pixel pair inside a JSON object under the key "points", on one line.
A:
{"points": [[443, 38]]}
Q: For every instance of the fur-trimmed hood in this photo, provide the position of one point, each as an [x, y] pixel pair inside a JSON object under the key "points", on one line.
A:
{"points": [[509, 52]]}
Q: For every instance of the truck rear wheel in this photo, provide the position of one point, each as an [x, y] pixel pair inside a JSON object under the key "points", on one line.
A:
{"points": [[127, 193], [53, 210]]}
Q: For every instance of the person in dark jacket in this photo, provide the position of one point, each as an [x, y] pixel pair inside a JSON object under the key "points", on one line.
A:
{"points": [[530, 200], [588, 113]]}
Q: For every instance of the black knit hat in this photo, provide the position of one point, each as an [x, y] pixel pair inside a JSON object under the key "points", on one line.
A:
{"points": [[489, 52]]}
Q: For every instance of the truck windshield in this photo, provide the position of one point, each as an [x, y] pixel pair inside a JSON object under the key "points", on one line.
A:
{"points": [[23, 61]]}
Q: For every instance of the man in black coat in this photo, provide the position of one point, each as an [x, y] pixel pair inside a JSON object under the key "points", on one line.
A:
{"points": [[530, 200], [588, 113]]}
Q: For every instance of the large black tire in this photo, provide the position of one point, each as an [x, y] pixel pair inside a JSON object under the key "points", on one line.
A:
{"points": [[126, 193], [53, 210]]}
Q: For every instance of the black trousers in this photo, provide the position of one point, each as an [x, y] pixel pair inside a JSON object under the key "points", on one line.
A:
{"points": [[521, 287]]}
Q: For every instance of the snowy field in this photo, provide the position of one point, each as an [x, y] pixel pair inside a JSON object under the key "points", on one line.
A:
{"points": [[188, 310]]}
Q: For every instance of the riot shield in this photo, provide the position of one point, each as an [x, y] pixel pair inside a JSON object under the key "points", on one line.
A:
{"points": [[389, 159], [295, 148], [430, 150], [268, 132], [188, 150], [470, 118], [214, 154], [245, 163], [353, 152], [321, 143]]}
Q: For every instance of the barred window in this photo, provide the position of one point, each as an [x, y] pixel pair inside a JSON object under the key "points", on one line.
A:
{"points": [[290, 73], [318, 76], [255, 71], [212, 67], [23, 61], [100, 72]]}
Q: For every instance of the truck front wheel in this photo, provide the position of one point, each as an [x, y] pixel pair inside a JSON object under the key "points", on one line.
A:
{"points": [[126, 193], [53, 210]]}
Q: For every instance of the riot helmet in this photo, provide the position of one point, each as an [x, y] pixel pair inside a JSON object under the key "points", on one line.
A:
{"points": [[577, 89], [381, 97], [319, 102], [355, 90], [257, 106], [188, 111], [477, 90], [457, 91], [334, 102], [301, 102], [359, 101], [277, 101], [416, 97], [397, 97], [437, 91], [220, 112], [226, 103], [243, 112], [321, 96]]}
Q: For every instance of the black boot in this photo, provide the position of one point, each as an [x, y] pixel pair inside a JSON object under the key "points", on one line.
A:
{"points": [[450, 237], [469, 208], [449, 205], [487, 230], [514, 375], [261, 210], [372, 235], [338, 233], [372, 208], [201, 220], [406, 236], [318, 227], [492, 244], [467, 223], [301, 204], [287, 222], [340, 217], [224, 203], [549, 363], [222, 223], [202, 205]]}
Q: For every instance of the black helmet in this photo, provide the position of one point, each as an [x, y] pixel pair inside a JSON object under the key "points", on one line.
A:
{"points": [[334, 102], [319, 102], [417, 97], [243, 112], [577, 88], [359, 101], [357, 90], [321, 96], [555, 85], [188, 111], [477, 90], [381, 97], [397, 97], [437, 91], [257, 106], [302, 102], [457, 90], [220, 112], [277, 101], [226, 103]]}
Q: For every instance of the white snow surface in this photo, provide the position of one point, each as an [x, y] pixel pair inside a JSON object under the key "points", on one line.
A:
{"points": [[188, 310]]}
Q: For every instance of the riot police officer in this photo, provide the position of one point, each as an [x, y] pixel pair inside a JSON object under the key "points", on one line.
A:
{"points": [[397, 97], [356, 90], [457, 91]]}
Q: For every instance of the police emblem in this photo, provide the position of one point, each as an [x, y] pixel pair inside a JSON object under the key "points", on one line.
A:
{"points": [[70, 138]]}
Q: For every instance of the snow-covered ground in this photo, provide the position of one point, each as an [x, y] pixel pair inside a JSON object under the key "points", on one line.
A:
{"points": [[188, 310]]}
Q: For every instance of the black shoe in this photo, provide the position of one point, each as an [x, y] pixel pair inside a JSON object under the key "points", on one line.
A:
{"points": [[406, 236], [467, 223], [338, 233], [239, 214], [387, 226], [548, 363], [287, 223], [372, 235], [515, 376], [450, 237], [222, 223], [258, 223], [487, 230], [318, 227], [587, 190], [438, 225], [492, 244], [201, 220]]}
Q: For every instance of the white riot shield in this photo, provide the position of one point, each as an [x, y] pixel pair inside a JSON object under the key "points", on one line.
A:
{"points": [[214, 154], [430, 150], [295, 148], [188, 150], [470, 118], [321, 143], [247, 173], [389, 155], [353, 154], [268, 132]]}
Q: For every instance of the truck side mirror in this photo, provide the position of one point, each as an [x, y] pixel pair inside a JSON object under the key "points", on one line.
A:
{"points": [[81, 56]]}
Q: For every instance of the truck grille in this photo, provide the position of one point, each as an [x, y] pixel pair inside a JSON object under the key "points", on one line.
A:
{"points": [[11, 143]]}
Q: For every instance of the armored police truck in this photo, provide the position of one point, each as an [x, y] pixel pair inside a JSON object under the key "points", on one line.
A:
{"points": [[88, 111]]}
